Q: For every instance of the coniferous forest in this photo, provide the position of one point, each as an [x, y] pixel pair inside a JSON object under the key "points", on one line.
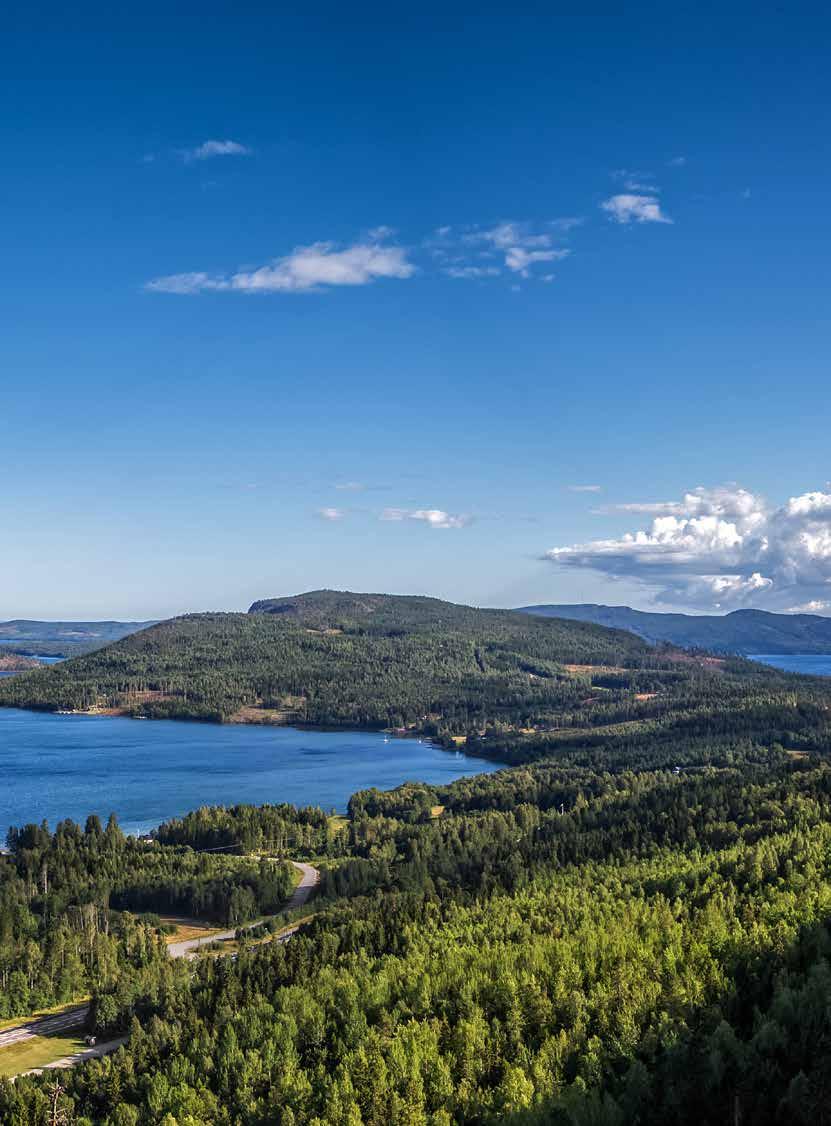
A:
{"points": [[629, 923]]}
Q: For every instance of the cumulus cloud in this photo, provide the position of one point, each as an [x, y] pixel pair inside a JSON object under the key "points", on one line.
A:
{"points": [[719, 547], [318, 266], [633, 208], [433, 517], [209, 149]]}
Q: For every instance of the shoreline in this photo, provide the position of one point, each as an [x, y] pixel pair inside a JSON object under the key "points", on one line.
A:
{"points": [[136, 822]]}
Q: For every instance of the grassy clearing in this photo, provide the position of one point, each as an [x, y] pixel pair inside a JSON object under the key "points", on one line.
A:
{"points": [[38, 1052], [187, 928]]}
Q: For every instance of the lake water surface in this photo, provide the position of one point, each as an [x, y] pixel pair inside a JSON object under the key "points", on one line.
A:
{"points": [[56, 766], [808, 663]]}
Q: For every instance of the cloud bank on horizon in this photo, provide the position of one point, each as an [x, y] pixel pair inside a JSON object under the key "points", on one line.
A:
{"points": [[721, 548]]}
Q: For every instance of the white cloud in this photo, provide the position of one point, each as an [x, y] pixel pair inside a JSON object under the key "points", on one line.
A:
{"points": [[209, 149], [306, 268], [636, 181], [194, 282], [471, 272], [626, 208], [518, 259], [331, 513], [585, 488], [677, 162], [518, 244], [723, 546], [814, 606], [433, 517], [351, 486]]}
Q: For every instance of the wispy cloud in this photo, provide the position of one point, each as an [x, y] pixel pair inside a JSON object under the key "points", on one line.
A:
{"points": [[567, 223], [585, 488], [350, 486], [307, 268], [627, 208], [636, 181], [677, 162], [433, 517], [210, 149], [720, 547], [519, 244], [471, 273], [470, 252], [331, 513]]}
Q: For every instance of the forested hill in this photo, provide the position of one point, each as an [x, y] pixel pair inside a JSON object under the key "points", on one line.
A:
{"points": [[742, 631], [368, 660]]}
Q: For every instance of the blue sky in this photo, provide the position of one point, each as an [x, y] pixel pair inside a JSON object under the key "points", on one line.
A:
{"points": [[367, 297]]}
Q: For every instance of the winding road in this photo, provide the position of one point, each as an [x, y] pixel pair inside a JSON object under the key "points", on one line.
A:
{"points": [[77, 1016], [309, 879]]}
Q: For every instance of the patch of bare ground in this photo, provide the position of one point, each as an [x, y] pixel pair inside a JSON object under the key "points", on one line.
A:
{"points": [[14, 662], [682, 658], [595, 670], [257, 713], [128, 702]]}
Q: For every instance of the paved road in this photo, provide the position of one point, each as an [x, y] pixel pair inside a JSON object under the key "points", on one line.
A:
{"points": [[45, 1026], [309, 879], [75, 1018]]}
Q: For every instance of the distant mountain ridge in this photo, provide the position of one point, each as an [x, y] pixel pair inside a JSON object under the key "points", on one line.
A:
{"points": [[62, 639], [742, 631]]}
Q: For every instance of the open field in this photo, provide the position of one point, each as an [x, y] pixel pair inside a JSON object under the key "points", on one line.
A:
{"points": [[38, 1051]]}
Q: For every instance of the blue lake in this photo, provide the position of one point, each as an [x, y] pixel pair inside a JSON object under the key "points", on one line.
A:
{"points": [[56, 766], [808, 663]]}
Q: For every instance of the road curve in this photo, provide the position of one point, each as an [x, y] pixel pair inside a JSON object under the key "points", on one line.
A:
{"points": [[77, 1017], [309, 879]]}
